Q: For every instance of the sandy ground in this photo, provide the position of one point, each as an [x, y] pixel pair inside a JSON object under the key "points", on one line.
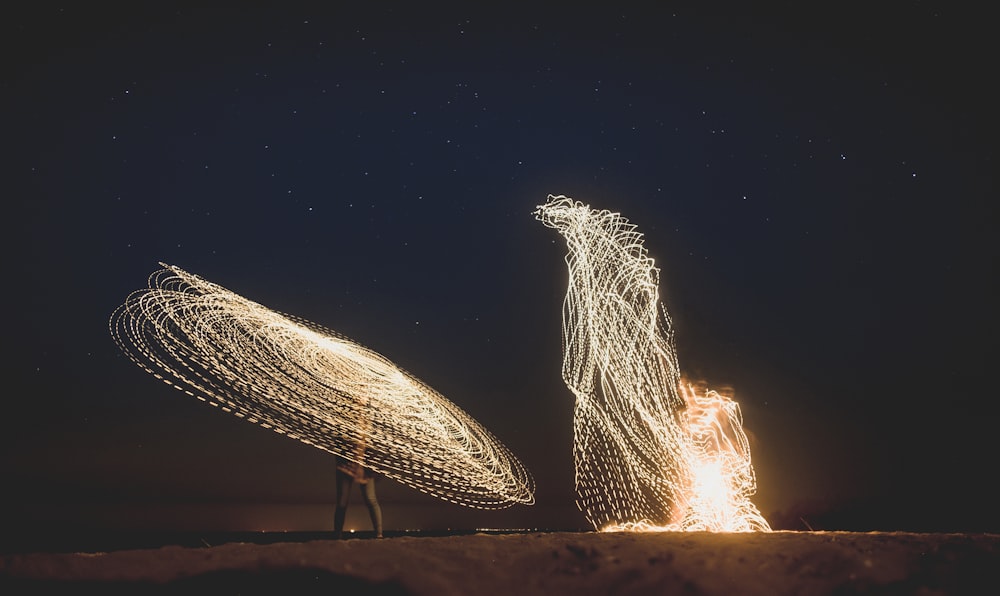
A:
{"points": [[538, 563]]}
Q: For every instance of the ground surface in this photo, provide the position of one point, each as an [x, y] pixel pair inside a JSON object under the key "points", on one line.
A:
{"points": [[538, 563]]}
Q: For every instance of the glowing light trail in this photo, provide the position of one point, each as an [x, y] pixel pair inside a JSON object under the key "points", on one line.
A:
{"points": [[651, 452], [312, 384]]}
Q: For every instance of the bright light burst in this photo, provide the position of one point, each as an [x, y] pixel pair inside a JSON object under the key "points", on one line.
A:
{"points": [[651, 452], [312, 384]]}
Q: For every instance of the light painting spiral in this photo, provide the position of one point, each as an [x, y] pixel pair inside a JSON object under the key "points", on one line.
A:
{"points": [[651, 452], [312, 384]]}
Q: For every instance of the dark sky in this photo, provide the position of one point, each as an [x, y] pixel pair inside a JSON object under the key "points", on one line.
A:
{"points": [[814, 181]]}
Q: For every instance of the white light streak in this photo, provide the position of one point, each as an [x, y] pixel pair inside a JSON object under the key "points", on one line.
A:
{"points": [[651, 452], [312, 384]]}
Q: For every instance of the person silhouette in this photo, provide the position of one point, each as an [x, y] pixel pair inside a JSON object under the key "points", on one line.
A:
{"points": [[348, 473]]}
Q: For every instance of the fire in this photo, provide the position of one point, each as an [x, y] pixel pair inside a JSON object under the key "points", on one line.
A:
{"points": [[722, 476]]}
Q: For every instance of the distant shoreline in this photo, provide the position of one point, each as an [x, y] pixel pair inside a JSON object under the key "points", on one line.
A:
{"points": [[110, 541]]}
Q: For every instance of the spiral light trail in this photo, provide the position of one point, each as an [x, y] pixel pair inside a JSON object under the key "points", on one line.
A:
{"points": [[312, 384], [651, 451]]}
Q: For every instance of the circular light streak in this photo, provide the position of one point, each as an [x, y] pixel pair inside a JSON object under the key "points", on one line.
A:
{"points": [[314, 385], [651, 452]]}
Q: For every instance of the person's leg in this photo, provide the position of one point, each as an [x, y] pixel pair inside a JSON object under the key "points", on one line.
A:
{"points": [[344, 483], [374, 511]]}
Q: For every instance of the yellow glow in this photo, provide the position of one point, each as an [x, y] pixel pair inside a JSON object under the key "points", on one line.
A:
{"points": [[312, 384], [651, 452]]}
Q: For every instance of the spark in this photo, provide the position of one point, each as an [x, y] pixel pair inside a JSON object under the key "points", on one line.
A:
{"points": [[651, 451], [314, 385]]}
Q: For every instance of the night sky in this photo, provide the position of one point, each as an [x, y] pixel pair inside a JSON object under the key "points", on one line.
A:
{"points": [[814, 182]]}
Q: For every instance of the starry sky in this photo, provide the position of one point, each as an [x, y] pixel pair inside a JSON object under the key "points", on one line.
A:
{"points": [[815, 185]]}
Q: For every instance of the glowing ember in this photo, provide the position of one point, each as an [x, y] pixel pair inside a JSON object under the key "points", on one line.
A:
{"points": [[651, 453], [305, 381]]}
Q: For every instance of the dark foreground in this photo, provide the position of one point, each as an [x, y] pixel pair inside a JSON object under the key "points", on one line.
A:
{"points": [[533, 563]]}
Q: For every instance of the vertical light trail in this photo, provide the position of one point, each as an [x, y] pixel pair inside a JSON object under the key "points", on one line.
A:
{"points": [[312, 384], [651, 453]]}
